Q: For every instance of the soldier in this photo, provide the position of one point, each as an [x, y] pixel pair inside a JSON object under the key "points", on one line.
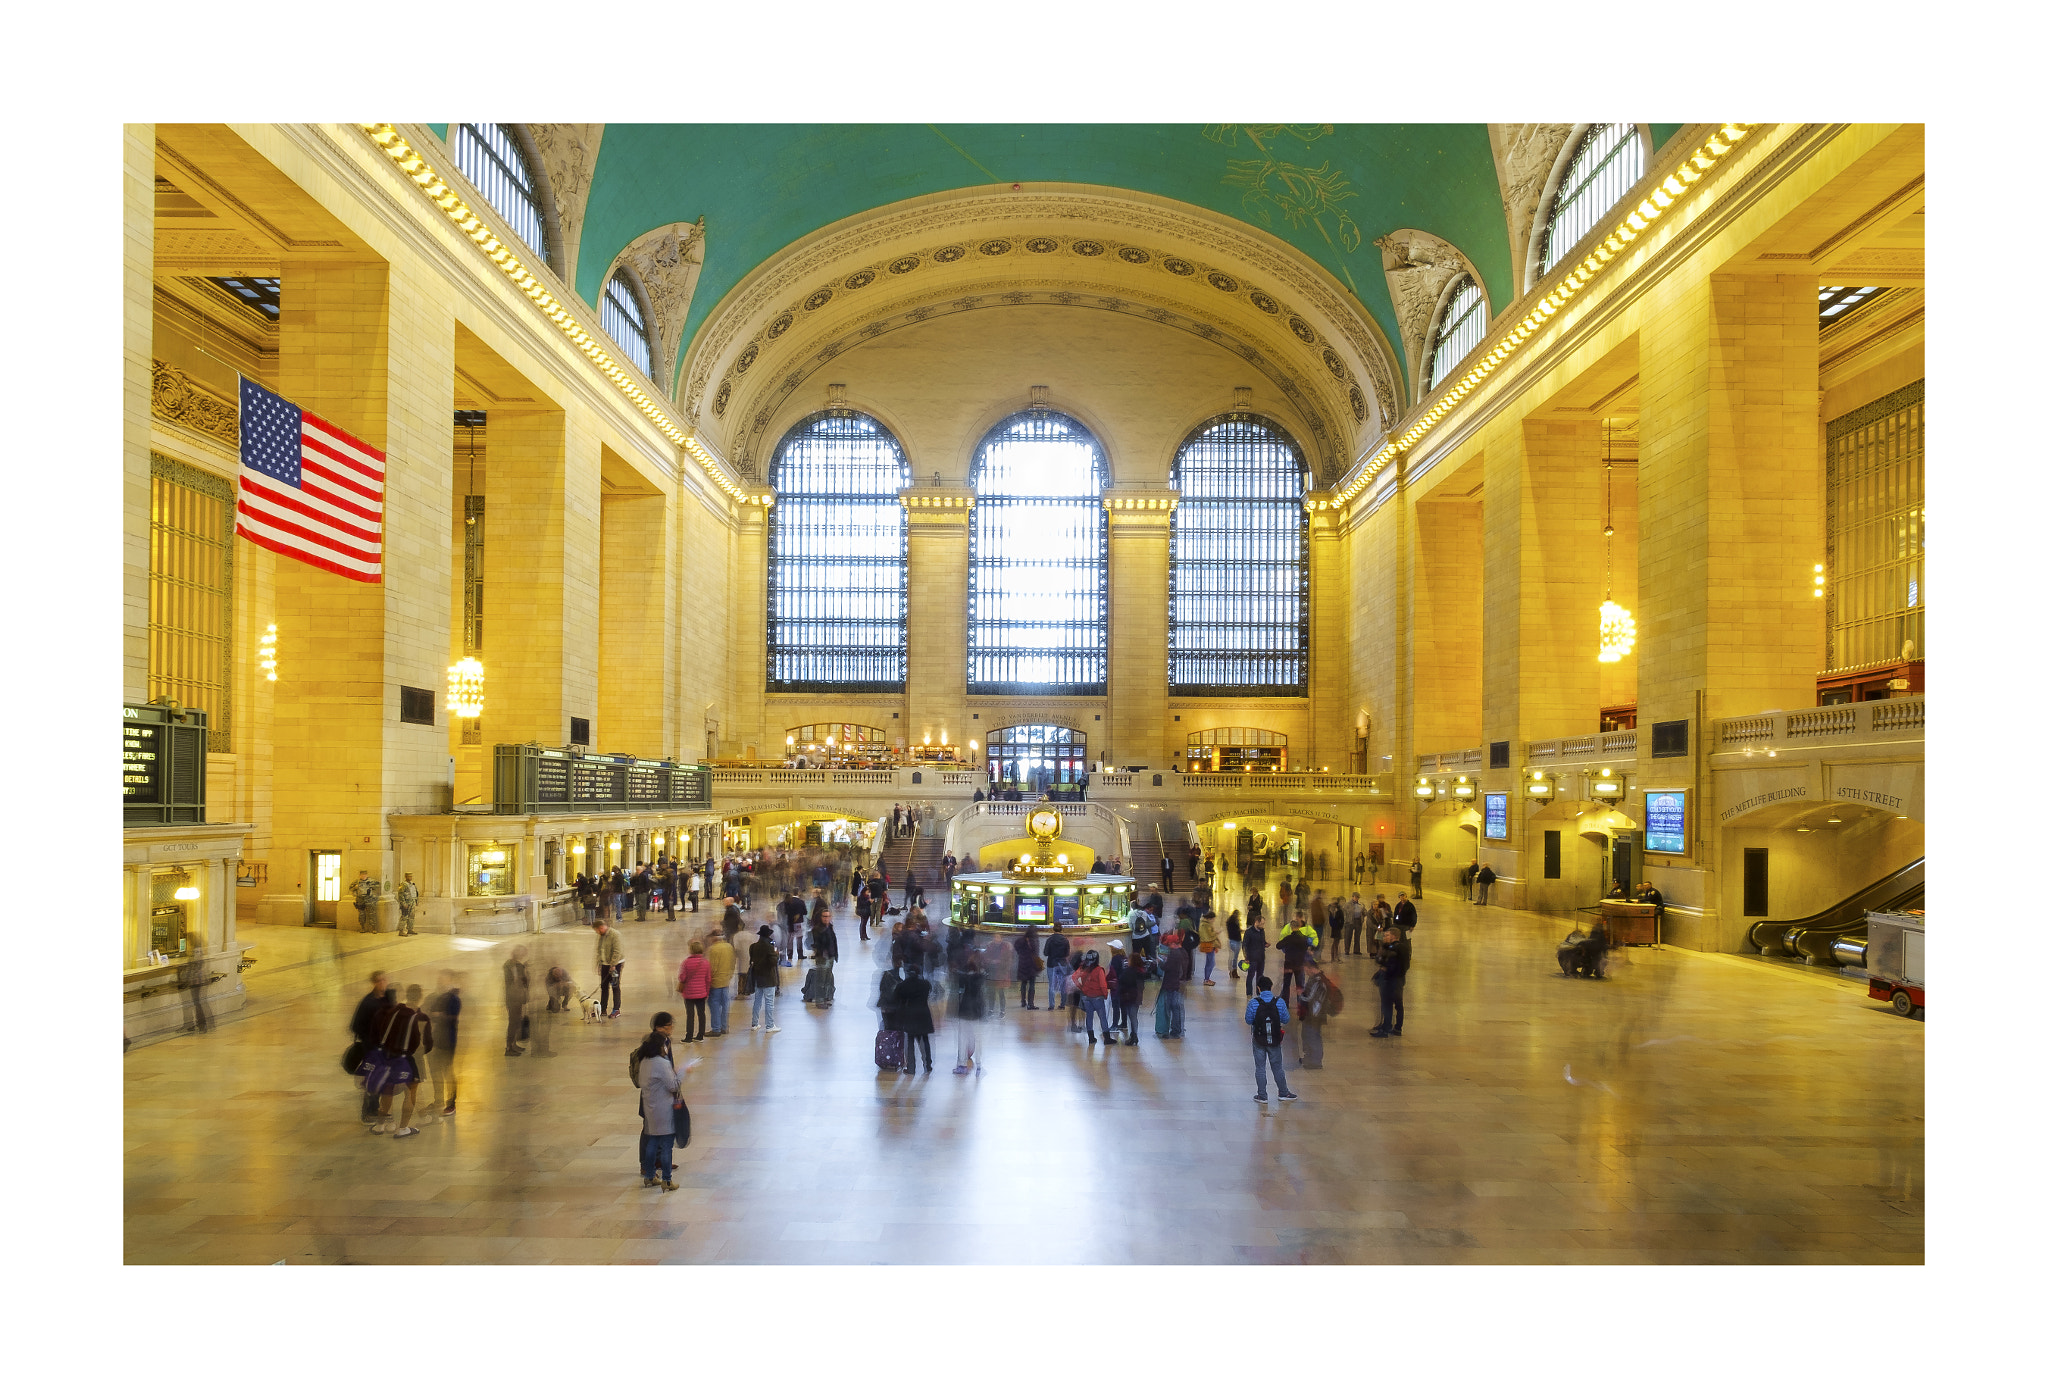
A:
{"points": [[365, 891], [408, 901]]}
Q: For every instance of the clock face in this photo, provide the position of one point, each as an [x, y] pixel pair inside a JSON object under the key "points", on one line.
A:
{"points": [[1046, 822]]}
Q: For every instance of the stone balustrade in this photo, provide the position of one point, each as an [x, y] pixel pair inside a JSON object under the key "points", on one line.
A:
{"points": [[1877, 720]]}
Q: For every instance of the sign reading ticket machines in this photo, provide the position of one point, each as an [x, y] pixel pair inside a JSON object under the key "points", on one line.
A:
{"points": [[1664, 822]]}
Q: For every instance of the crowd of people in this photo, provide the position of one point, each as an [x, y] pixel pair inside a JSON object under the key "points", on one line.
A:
{"points": [[926, 973]]}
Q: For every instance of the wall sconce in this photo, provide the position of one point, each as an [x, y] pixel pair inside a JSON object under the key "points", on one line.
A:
{"points": [[1540, 787], [1464, 790], [659, 841], [187, 893], [615, 846], [1606, 786], [466, 688], [973, 745], [576, 849], [1425, 790], [266, 652]]}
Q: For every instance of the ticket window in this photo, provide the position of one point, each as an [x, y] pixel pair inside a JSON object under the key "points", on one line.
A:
{"points": [[167, 913], [326, 887], [491, 869]]}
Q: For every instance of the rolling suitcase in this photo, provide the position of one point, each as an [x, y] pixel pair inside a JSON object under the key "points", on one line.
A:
{"points": [[889, 1050]]}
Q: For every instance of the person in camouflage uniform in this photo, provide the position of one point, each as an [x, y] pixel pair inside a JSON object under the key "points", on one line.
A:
{"points": [[365, 891]]}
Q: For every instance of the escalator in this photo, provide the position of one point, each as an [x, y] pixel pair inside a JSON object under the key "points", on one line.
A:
{"points": [[1835, 936]]}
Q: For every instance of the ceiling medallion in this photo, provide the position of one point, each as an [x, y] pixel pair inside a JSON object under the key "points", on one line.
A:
{"points": [[860, 279], [946, 255], [1088, 248], [819, 299], [780, 325], [1178, 266], [1219, 280], [903, 265], [1263, 302], [1041, 245], [1302, 330], [997, 247], [747, 357]]}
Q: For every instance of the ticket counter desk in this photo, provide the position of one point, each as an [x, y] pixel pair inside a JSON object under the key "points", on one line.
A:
{"points": [[1082, 905]]}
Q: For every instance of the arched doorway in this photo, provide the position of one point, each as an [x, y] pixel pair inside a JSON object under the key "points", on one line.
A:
{"points": [[1035, 757]]}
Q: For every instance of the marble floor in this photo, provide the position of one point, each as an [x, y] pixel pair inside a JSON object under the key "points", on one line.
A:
{"points": [[1690, 1109]]}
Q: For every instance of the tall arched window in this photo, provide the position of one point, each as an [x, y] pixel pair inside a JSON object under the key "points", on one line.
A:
{"points": [[1608, 163], [838, 556], [1460, 329], [1237, 591], [624, 320], [492, 161], [1038, 560]]}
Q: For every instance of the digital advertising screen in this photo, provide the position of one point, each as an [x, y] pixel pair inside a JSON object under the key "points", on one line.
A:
{"points": [[1066, 911], [1496, 815], [1664, 822], [1030, 909]]}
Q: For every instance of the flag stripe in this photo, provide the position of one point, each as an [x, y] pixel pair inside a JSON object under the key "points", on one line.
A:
{"points": [[346, 471], [319, 493], [307, 467], [311, 557], [372, 460], [276, 527], [264, 501]]}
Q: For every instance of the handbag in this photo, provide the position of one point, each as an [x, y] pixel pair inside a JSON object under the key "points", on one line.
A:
{"points": [[352, 1059], [525, 1028], [682, 1123]]}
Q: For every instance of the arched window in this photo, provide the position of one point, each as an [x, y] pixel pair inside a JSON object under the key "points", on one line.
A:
{"points": [[1039, 756], [625, 321], [838, 555], [1459, 331], [1237, 588], [1038, 560], [491, 160], [1608, 163]]}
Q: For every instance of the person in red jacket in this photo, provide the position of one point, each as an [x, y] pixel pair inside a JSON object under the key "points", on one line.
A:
{"points": [[693, 982], [1091, 981]]}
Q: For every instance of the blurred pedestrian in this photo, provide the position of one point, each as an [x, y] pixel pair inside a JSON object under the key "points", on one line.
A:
{"points": [[970, 1006], [1058, 966], [1209, 942], [1091, 986], [824, 961], [1254, 956], [1313, 1013], [693, 982], [517, 987], [445, 1010], [912, 1002], [368, 1007], [1029, 966], [1267, 1018], [404, 1033], [1130, 990], [766, 968], [1233, 931], [1172, 989], [1392, 979]]}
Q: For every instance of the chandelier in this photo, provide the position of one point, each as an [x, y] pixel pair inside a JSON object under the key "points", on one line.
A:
{"points": [[466, 688], [1617, 624]]}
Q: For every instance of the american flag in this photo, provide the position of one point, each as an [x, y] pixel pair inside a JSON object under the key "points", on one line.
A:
{"points": [[309, 490]]}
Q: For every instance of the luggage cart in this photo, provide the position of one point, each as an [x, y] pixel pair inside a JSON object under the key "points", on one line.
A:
{"points": [[1897, 960]]}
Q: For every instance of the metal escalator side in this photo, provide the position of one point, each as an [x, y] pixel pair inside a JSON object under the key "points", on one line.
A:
{"points": [[1893, 892]]}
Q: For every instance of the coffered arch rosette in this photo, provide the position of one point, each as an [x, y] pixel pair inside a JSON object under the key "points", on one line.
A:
{"points": [[1105, 250]]}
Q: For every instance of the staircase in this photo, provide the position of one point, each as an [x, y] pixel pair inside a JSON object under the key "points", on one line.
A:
{"points": [[924, 853], [1143, 866]]}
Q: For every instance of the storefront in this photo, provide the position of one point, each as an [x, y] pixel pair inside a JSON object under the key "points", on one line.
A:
{"points": [[1237, 750], [180, 954]]}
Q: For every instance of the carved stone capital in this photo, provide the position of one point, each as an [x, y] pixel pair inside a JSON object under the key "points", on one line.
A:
{"points": [[174, 396]]}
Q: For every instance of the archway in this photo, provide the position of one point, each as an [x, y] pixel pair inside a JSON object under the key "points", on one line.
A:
{"points": [[1237, 750], [1037, 757]]}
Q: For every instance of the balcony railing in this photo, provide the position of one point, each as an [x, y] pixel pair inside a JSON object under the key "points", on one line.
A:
{"points": [[725, 778], [1879, 720]]}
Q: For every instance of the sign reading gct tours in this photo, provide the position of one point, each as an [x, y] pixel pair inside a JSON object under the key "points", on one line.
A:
{"points": [[1664, 822]]}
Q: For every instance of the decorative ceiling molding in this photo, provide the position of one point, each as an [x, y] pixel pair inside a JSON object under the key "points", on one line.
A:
{"points": [[666, 261], [811, 275], [1523, 156], [1419, 266], [568, 155], [753, 411]]}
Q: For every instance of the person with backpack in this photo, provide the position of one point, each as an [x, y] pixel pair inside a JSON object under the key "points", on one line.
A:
{"points": [[1484, 877], [1173, 991], [1392, 978], [1319, 1003], [1267, 1018], [1091, 985], [1130, 991], [403, 1031], [1296, 945], [1254, 956], [380, 997]]}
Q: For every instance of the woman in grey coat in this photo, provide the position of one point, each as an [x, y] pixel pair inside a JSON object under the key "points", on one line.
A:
{"points": [[661, 1097]]}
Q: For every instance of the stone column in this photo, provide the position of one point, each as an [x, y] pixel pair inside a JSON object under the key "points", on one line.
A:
{"points": [[138, 332], [636, 666], [541, 641], [1330, 720], [1449, 635], [341, 758], [1140, 521], [935, 692], [1732, 520]]}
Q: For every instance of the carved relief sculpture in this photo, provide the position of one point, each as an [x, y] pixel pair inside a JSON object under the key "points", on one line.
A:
{"points": [[174, 396], [1419, 268], [568, 153], [1523, 156], [667, 260]]}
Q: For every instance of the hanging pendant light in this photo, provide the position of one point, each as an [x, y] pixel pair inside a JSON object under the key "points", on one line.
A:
{"points": [[1617, 624], [466, 688]]}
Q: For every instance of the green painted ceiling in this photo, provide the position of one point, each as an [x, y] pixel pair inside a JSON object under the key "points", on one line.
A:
{"points": [[1327, 190]]}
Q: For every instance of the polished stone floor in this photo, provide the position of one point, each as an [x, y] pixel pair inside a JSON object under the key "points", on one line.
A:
{"points": [[1690, 1109]]}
